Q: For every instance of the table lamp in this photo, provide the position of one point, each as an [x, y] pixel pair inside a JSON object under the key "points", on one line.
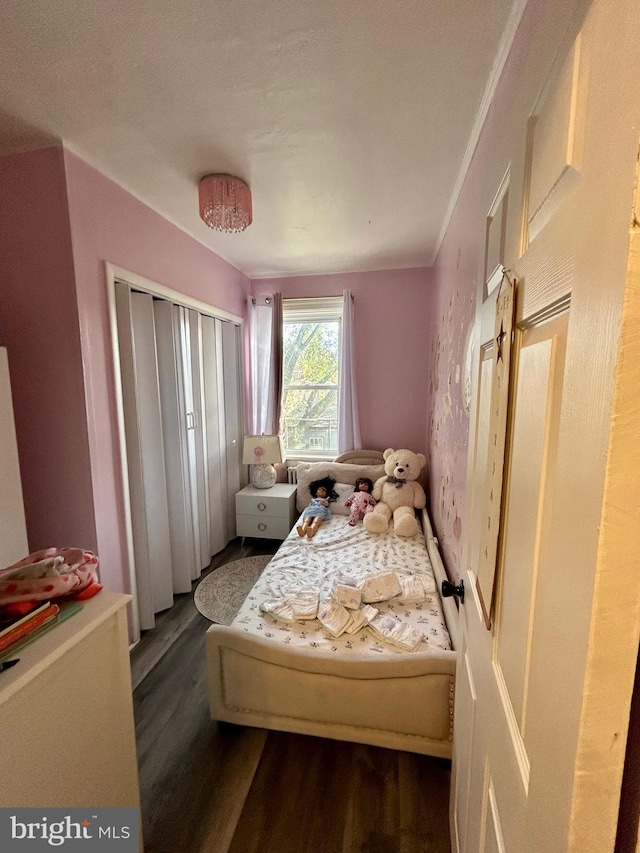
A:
{"points": [[262, 452]]}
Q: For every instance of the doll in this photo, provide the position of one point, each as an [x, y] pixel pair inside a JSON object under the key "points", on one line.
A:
{"points": [[361, 501], [322, 492]]}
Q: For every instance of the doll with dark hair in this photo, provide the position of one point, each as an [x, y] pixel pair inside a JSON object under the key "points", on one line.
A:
{"points": [[361, 501], [322, 493]]}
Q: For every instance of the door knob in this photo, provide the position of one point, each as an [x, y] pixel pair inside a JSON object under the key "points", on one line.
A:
{"points": [[449, 589]]}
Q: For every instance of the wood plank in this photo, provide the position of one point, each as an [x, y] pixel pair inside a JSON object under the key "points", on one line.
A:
{"points": [[424, 803], [190, 766], [169, 626], [224, 807], [372, 819]]}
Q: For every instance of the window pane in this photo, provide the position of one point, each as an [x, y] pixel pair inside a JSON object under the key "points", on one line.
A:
{"points": [[310, 421], [311, 353], [310, 386]]}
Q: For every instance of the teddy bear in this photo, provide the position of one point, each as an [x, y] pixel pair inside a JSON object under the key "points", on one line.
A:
{"points": [[398, 494]]}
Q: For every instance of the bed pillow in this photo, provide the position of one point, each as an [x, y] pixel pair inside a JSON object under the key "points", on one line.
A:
{"points": [[343, 474], [338, 507]]}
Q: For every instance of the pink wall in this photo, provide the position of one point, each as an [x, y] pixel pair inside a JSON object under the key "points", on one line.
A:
{"points": [[55, 323], [39, 326], [459, 270], [90, 220], [109, 224], [392, 348], [455, 280]]}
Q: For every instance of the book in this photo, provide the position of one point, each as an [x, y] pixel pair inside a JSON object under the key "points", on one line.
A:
{"points": [[67, 609], [11, 622], [26, 627]]}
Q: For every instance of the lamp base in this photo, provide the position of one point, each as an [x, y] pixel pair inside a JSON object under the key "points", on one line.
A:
{"points": [[263, 476]]}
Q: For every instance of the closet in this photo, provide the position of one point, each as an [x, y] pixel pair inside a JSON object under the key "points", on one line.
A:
{"points": [[182, 406]]}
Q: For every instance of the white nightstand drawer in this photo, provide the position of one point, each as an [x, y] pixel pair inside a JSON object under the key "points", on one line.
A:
{"points": [[276, 502], [262, 527]]}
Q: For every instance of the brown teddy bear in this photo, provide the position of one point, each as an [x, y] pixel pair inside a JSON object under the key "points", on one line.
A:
{"points": [[398, 494]]}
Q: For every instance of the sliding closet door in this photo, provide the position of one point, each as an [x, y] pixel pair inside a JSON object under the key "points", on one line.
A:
{"points": [[197, 435], [145, 453], [174, 429], [185, 401], [214, 428], [181, 375], [233, 411]]}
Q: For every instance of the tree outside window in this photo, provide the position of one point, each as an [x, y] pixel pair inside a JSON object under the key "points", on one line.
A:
{"points": [[311, 369]]}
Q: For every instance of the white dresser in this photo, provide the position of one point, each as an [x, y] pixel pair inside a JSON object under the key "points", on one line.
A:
{"points": [[266, 513], [66, 707], [66, 712]]}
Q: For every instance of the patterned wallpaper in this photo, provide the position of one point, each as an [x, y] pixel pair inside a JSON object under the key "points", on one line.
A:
{"points": [[448, 422]]}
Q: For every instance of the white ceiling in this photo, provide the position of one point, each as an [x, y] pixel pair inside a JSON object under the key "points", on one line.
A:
{"points": [[353, 121]]}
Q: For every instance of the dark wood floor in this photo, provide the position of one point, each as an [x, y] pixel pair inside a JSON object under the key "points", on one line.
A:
{"points": [[210, 787]]}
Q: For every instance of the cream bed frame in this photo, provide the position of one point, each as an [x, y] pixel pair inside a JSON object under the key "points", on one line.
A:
{"points": [[405, 703]]}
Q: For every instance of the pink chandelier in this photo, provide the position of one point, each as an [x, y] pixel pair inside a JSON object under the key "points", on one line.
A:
{"points": [[225, 203]]}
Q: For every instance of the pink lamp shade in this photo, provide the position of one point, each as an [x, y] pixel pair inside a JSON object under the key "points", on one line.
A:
{"points": [[225, 203]]}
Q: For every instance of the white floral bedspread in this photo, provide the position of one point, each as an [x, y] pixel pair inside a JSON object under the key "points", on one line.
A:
{"points": [[338, 549]]}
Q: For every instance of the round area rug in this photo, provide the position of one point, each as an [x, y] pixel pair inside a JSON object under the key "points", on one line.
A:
{"points": [[220, 594]]}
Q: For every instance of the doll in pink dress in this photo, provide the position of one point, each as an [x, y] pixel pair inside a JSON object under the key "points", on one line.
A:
{"points": [[361, 501]]}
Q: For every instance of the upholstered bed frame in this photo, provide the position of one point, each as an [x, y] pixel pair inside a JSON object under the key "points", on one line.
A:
{"points": [[403, 701]]}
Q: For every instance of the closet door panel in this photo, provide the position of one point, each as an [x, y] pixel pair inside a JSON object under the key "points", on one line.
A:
{"points": [[233, 415], [152, 451], [133, 442], [183, 558], [145, 454], [187, 406], [213, 420], [185, 401], [194, 320], [225, 489]]}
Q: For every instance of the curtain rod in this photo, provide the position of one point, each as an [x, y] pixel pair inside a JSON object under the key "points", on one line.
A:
{"points": [[267, 299]]}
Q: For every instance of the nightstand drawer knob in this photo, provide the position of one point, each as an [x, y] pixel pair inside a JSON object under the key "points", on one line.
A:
{"points": [[262, 507], [262, 527]]}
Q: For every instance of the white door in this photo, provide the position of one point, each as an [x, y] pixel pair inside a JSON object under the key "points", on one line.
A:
{"points": [[233, 415], [185, 395], [145, 454], [174, 429], [542, 695], [197, 430], [213, 416]]}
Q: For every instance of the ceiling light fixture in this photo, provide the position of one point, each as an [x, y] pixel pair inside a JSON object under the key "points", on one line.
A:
{"points": [[225, 203]]}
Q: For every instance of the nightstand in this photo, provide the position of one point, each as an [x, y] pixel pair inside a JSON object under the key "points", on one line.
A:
{"points": [[266, 513]]}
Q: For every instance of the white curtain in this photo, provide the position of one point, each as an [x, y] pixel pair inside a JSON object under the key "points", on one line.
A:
{"points": [[265, 336], [348, 418]]}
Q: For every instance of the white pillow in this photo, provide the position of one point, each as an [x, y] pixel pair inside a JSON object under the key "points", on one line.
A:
{"points": [[344, 490], [342, 473]]}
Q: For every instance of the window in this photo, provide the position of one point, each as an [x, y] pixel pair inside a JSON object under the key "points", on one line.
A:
{"points": [[311, 370]]}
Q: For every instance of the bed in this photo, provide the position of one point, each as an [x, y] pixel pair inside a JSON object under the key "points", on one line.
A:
{"points": [[296, 676]]}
